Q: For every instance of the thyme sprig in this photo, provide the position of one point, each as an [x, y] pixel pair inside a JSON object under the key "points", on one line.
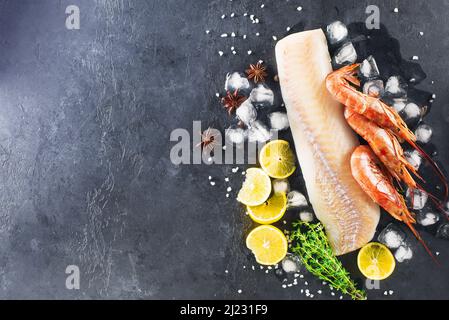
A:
{"points": [[312, 246]]}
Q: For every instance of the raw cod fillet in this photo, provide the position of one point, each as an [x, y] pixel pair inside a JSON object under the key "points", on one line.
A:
{"points": [[324, 142]]}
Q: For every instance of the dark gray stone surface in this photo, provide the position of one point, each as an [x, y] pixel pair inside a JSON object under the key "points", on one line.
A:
{"points": [[85, 174]]}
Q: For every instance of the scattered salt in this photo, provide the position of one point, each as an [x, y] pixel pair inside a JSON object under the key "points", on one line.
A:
{"points": [[299, 8], [220, 53], [396, 10]]}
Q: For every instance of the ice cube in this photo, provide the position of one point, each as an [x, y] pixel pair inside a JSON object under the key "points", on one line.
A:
{"points": [[258, 132], [291, 263], [246, 112], [237, 81], [403, 253], [281, 186], [414, 158], [399, 104], [235, 135], [374, 88], [443, 231], [346, 54], [336, 32], [412, 110], [427, 219], [423, 133], [279, 121], [306, 216], [395, 86], [391, 236], [262, 96], [419, 198], [411, 114], [369, 69], [296, 199]]}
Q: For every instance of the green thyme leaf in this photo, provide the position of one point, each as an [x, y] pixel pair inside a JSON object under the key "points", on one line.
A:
{"points": [[312, 246]]}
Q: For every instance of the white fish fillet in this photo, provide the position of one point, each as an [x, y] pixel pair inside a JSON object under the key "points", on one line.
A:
{"points": [[324, 142]]}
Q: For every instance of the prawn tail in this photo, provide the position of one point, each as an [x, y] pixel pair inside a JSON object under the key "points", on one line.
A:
{"points": [[418, 236], [435, 168]]}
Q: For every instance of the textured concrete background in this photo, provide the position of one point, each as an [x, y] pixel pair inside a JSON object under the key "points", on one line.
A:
{"points": [[85, 174]]}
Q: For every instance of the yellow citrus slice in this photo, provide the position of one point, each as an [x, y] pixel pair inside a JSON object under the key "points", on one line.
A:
{"points": [[270, 211], [256, 188], [268, 244], [277, 159], [375, 261]]}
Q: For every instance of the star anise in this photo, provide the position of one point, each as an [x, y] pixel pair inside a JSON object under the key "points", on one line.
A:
{"points": [[232, 101], [208, 140], [257, 72]]}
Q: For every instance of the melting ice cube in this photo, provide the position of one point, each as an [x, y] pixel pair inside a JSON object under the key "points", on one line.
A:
{"points": [[306, 216], [374, 88], [258, 132], [414, 158], [423, 133], [235, 135], [443, 231], [291, 263], [369, 69], [399, 104], [237, 81], [336, 32], [396, 87], [279, 121], [403, 253], [411, 114], [427, 219], [281, 186], [296, 199], [419, 198], [246, 112], [391, 236], [346, 54], [262, 96]]}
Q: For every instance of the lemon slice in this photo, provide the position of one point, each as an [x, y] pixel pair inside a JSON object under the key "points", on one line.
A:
{"points": [[256, 188], [277, 159], [268, 244], [375, 261], [270, 211]]}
